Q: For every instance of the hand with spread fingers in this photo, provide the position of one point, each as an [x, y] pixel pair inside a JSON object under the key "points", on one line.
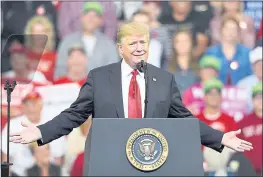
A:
{"points": [[231, 141], [28, 135]]}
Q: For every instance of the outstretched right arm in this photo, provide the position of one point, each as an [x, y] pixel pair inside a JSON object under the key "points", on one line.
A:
{"points": [[72, 117]]}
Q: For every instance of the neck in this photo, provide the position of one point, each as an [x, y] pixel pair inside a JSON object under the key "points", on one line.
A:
{"points": [[155, 24], [228, 44], [44, 170], [212, 112], [258, 112], [76, 76], [179, 16], [34, 119], [183, 62]]}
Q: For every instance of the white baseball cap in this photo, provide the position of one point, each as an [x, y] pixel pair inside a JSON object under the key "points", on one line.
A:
{"points": [[255, 55]]}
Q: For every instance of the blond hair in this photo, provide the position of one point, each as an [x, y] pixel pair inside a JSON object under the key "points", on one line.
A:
{"points": [[132, 28], [49, 27]]}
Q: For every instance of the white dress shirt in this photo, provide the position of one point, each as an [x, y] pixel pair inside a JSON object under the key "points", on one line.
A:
{"points": [[126, 75]]}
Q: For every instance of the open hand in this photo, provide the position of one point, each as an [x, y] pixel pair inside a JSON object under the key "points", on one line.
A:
{"points": [[28, 135], [231, 140]]}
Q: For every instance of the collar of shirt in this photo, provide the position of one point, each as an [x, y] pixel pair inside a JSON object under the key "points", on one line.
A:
{"points": [[127, 70]]}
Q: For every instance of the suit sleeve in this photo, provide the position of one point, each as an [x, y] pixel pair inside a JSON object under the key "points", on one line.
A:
{"points": [[70, 118], [209, 137]]}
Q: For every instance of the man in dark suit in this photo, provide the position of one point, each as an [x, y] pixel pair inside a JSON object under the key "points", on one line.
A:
{"points": [[118, 90]]}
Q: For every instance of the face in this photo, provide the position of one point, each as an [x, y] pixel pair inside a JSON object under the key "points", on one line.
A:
{"points": [[213, 98], [32, 109], [207, 74], [19, 62], [153, 9], [182, 44], [134, 48], [258, 68], [91, 21], [257, 102], [77, 62], [231, 6], [39, 35], [141, 18], [42, 154], [180, 7], [230, 32]]}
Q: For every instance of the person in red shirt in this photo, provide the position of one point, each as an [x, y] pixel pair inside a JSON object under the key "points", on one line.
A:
{"points": [[77, 168], [251, 127], [77, 64], [40, 41], [212, 113], [193, 96]]}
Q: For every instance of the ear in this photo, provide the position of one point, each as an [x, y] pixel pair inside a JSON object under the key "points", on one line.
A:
{"points": [[120, 49]]}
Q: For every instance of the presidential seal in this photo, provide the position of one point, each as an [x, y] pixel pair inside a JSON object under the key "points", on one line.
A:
{"points": [[147, 149]]}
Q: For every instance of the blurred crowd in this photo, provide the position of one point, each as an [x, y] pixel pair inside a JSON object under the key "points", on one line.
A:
{"points": [[214, 50]]}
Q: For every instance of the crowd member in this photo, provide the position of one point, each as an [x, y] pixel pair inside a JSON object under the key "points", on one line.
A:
{"points": [[42, 166], [216, 8], [155, 47], [182, 64], [20, 154], [248, 82], [125, 9], [20, 69], [77, 136], [77, 168], [259, 35], [247, 28], [251, 127], [213, 116], [234, 57], [40, 41], [193, 96], [98, 47], [76, 68], [183, 16], [69, 23], [157, 30], [17, 13], [212, 113]]}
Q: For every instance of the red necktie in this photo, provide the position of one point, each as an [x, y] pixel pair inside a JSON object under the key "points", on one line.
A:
{"points": [[134, 102]]}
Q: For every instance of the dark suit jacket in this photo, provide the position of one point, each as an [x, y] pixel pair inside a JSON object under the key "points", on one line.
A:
{"points": [[101, 96]]}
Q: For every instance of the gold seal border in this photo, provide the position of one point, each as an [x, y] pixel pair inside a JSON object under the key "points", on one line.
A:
{"points": [[159, 136]]}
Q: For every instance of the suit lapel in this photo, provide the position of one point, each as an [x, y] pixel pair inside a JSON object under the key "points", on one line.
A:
{"points": [[116, 88], [151, 93]]}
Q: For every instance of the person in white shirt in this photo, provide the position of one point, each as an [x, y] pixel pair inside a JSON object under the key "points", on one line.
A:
{"points": [[20, 68], [155, 47], [248, 82], [20, 154]]}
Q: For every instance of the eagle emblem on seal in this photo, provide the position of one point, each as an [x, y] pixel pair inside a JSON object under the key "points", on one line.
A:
{"points": [[147, 149]]}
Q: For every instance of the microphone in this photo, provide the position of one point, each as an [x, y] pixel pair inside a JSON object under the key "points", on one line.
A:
{"points": [[141, 66]]}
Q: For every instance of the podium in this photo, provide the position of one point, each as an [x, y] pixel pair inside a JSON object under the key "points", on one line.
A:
{"points": [[143, 147]]}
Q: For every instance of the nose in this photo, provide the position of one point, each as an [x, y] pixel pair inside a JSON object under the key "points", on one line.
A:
{"points": [[139, 48]]}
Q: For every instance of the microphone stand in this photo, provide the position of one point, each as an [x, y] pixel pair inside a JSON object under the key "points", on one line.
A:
{"points": [[146, 89], [9, 88]]}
